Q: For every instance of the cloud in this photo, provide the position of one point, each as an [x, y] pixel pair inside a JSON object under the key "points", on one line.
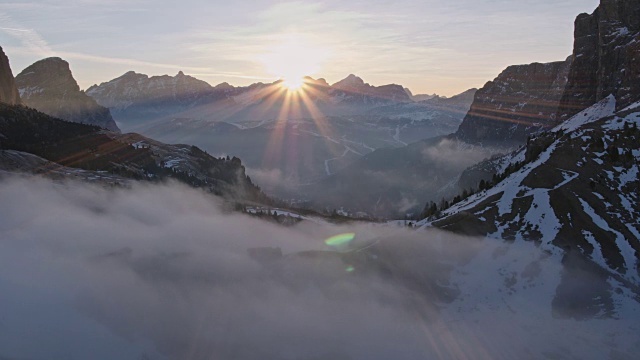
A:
{"points": [[161, 272], [456, 154], [29, 37]]}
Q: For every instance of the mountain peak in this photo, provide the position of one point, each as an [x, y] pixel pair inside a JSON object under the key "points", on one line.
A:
{"points": [[350, 81], [180, 74], [224, 86], [48, 86], [51, 73]]}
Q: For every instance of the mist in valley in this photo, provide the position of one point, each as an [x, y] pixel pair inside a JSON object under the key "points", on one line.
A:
{"points": [[162, 272]]}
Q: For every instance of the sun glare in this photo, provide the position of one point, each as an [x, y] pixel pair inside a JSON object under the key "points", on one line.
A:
{"points": [[293, 56], [294, 84]]}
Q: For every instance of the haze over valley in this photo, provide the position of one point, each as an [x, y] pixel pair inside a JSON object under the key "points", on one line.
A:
{"points": [[419, 180]]}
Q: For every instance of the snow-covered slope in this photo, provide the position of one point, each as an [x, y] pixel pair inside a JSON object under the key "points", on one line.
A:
{"points": [[576, 187]]}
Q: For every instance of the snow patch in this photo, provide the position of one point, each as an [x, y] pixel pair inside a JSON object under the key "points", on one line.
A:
{"points": [[606, 107], [627, 252]]}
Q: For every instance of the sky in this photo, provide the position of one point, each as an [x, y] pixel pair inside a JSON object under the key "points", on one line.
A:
{"points": [[429, 46]]}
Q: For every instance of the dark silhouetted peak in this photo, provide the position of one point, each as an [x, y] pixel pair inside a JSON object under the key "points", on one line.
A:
{"points": [[48, 85], [8, 90], [180, 73]]}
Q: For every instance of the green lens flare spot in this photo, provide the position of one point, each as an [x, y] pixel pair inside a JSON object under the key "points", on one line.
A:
{"points": [[341, 239], [350, 269]]}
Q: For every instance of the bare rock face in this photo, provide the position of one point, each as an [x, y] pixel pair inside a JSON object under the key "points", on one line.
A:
{"points": [[48, 86], [606, 57], [8, 91], [522, 100]]}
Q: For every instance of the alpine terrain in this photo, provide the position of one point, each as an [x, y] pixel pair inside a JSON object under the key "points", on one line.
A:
{"points": [[363, 221]]}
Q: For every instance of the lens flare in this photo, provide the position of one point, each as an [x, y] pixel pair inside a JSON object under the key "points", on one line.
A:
{"points": [[340, 240]]}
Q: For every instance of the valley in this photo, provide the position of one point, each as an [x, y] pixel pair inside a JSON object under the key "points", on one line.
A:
{"points": [[164, 217]]}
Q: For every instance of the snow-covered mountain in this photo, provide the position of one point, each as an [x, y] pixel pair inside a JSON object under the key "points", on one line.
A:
{"points": [[575, 187], [48, 86]]}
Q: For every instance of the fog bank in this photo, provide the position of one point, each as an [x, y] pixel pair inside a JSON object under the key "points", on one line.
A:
{"points": [[160, 272]]}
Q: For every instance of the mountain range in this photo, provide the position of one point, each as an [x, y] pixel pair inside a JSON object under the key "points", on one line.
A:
{"points": [[345, 148], [34, 142], [520, 203], [321, 130]]}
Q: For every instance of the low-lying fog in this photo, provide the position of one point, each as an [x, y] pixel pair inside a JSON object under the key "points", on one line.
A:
{"points": [[160, 272]]}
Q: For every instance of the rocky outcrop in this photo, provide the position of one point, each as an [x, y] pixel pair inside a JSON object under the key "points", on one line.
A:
{"points": [[8, 90], [606, 57], [48, 86], [522, 100]]}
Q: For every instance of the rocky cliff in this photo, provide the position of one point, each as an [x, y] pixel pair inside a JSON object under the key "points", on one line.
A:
{"points": [[48, 86], [522, 100], [8, 90], [606, 57]]}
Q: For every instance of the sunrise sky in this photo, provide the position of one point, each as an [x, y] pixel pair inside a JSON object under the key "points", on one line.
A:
{"points": [[428, 46]]}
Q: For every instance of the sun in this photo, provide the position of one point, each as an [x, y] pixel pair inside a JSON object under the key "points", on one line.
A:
{"points": [[292, 56], [293, 84]]}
